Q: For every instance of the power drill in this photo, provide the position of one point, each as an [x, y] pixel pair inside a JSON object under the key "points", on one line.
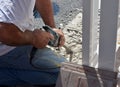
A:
{"points": [[55, 42]]}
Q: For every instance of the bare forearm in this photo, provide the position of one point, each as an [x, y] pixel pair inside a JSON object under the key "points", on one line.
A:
{"points": [[46, 11], [11, 35]]}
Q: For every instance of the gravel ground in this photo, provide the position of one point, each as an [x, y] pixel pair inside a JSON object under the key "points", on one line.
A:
{"points": [[73, 35], [70, 17], [66, 10]]}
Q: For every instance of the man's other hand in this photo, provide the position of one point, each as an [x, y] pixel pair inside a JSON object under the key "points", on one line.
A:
{"points": [[62, 37]]}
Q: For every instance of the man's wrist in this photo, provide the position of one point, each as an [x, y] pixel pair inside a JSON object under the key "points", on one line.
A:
{"points": [[28, 37]]}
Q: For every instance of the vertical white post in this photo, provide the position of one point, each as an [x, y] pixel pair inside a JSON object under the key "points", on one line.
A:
{"points": [[108, 33], [90, 27], [95, 6]]}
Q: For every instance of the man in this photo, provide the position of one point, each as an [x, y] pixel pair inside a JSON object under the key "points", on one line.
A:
{"points": [[18, 37]]}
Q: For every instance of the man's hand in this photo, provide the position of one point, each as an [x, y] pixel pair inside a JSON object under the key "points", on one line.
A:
{"points": [[41, 38], [62, 37]]}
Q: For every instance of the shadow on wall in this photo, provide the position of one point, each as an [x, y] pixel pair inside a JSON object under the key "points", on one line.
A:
{"points": [[55, 9]]}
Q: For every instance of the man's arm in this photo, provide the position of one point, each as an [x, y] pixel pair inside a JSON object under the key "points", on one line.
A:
{"points": [[44, 7], [13, 36]]}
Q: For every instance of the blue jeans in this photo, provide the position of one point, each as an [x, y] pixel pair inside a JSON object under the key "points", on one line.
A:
{"points": [[15, 67]]}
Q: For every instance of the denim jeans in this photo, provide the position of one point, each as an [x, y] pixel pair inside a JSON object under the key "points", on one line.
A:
{"points": [[15, 67]]}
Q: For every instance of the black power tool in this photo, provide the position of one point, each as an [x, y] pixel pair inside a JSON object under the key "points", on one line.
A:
{"points": [[56, 40]]}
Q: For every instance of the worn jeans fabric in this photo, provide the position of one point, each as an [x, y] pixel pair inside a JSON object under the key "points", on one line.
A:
{"points": [[15, 67]]}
